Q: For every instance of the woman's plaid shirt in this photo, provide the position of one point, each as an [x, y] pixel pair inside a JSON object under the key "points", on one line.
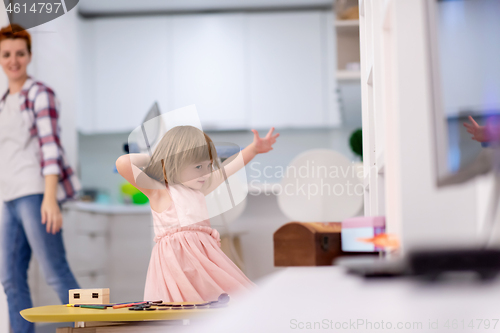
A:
{"points": [[39, 107]]}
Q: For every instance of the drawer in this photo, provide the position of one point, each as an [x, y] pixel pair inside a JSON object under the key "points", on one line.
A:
{"points": [[87, 222]]}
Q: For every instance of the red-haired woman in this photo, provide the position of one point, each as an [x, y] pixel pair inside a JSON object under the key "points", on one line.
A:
{"points": [[35, 179]]}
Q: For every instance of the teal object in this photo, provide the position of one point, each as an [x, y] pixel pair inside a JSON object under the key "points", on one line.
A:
{"points": [[103, 199]]}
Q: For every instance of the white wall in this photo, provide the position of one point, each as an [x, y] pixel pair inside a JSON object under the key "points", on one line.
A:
{"points": [[427, 215]]}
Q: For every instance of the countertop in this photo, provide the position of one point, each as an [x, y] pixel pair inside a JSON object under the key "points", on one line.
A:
{"points": [[113, 209]]}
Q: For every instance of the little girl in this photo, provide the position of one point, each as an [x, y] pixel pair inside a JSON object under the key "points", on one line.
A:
{"points": [[187, 264]]}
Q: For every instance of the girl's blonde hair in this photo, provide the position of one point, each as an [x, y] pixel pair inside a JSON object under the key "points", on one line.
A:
{"points": [[180, 147]]}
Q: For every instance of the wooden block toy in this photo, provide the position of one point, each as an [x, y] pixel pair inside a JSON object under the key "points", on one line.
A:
{"points": [[89, 296]]}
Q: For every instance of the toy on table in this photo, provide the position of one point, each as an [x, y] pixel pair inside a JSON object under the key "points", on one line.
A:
{"points": [[222, 301], [133, 195], [387, 241], [361, 227], [98, 299], [89, 296]]}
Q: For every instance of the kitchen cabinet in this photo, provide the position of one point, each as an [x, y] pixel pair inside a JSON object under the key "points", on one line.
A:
{"points": [[208, 68], [242, 70], [129, 71], [291, 73]]}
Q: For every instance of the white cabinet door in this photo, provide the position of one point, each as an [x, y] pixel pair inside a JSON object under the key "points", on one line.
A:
{"points": [[240, 69], [290, 70], [208, 68], [130, 70]]}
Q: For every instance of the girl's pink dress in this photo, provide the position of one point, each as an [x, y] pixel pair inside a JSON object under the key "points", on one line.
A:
{"points": [[187, 264]]}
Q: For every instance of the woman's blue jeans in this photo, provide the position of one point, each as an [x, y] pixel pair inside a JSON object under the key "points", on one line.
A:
{"points": [[23, 233]]}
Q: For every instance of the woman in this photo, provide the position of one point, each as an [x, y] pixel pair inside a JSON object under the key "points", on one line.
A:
{"points": [[34, 180]]}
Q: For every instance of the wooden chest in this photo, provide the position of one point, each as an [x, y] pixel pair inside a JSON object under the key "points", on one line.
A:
{"points": [[307, 244]]}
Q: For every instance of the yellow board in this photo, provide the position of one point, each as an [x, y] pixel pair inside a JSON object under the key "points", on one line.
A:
{"points": [[62, 313]]}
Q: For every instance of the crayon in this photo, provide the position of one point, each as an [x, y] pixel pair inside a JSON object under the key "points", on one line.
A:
{"points": [[93, 306], [127, 305]]}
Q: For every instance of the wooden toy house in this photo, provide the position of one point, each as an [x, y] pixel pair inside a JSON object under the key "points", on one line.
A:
{"points": [[89, 296]]}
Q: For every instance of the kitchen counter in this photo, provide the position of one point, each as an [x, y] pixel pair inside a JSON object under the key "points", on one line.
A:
{"points": [[112, 209]]}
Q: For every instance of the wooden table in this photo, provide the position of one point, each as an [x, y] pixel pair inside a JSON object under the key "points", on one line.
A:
{"points": [[114, 320]]}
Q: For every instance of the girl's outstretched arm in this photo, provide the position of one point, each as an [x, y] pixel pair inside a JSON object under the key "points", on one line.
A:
{"points": [[128, 167], [239, 160]]}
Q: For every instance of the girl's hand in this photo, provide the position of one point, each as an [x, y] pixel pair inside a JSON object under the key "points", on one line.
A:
{"points": [[51, 215], [479, 133], [263, 145]]}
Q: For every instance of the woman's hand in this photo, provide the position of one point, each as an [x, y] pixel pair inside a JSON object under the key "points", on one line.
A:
{"points": [[479, 133], [51, 215], [265, 144]]}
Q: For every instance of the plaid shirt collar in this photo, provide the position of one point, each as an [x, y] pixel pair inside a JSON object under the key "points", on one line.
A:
{"points": [[26, 86], [23, 93]]}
